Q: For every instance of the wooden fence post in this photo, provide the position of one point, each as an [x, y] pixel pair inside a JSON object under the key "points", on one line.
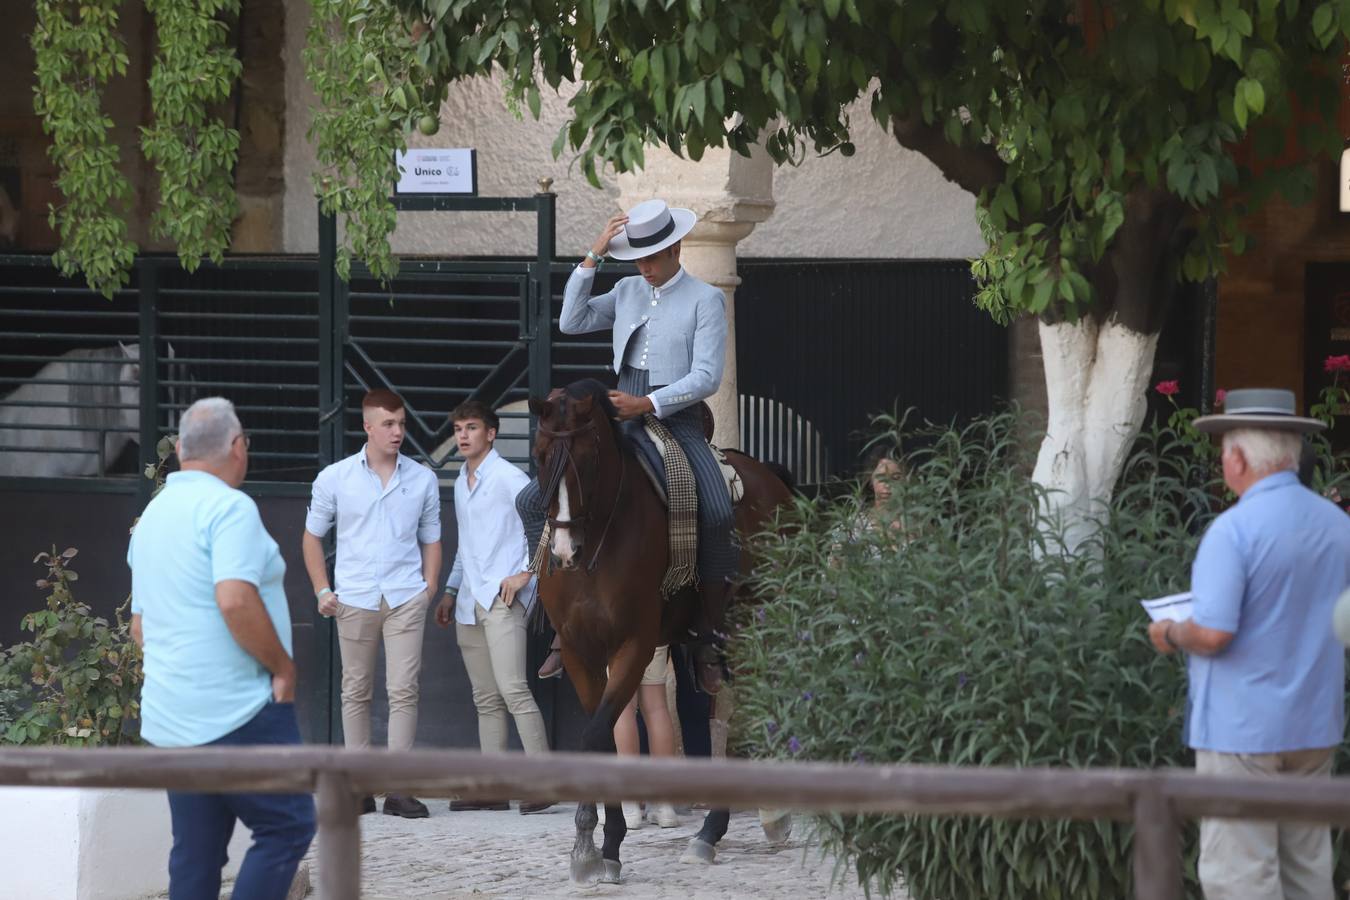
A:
{"points": [[339, 813], [1157, 848]]}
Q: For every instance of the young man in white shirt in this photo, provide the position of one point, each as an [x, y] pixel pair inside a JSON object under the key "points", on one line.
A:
{"points": [[388, 513], [490, 591]]}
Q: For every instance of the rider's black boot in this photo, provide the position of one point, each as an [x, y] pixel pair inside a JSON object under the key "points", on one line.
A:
{"points": [[709, 665]]}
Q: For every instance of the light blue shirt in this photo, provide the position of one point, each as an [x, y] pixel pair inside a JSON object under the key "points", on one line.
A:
{"points": [[683, 326], [199, 683], [381, 528], [1269, 571], [492, 544]]}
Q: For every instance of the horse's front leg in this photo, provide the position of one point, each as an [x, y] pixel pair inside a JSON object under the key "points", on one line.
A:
{"points": [[605, 699], [586, 867]]}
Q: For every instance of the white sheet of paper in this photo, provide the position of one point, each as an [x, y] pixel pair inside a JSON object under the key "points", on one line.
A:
{"points": [[1176, 607]]}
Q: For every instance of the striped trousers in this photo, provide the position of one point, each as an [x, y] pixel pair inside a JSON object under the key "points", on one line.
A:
{"points": [[718, 555]]}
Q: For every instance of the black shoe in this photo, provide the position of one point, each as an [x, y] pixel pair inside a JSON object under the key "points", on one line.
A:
{"points": [[407, 807], [367, 804], [529, 808], [479, 806]]}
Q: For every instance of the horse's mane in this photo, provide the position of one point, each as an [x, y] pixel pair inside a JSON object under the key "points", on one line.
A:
{"points": [[599, 392]]}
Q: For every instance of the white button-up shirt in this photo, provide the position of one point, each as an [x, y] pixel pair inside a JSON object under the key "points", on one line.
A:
{"points": [[492, 544], [379, 528]]}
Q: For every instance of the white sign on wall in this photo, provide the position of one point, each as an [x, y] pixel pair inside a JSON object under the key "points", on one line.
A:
{"points": [[427, 170]]}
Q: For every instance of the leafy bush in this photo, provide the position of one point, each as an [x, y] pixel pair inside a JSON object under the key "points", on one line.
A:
{"points": [[78, 680], [957, 638]]}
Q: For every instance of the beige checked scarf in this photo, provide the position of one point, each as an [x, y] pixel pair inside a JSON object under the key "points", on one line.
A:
{"points": [[682, 504]]}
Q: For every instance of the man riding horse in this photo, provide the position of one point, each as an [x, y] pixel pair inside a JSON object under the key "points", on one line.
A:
{"points": [[670, 332]]}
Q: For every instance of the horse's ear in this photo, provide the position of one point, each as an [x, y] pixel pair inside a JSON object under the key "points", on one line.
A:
{"points": [[130, 351], [541, 408]]}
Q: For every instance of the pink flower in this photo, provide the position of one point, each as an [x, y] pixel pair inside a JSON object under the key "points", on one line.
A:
{"points": [[1168, 388], [1219, 396], [1336, 364]]}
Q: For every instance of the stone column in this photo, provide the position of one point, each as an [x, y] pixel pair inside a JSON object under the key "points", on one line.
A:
{"points": [[730, 194]]}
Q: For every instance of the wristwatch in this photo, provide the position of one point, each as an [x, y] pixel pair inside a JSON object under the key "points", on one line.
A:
{"points": [[591, 255]]}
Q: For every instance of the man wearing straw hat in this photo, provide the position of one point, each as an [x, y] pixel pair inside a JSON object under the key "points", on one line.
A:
{"points": [[670, 333], [1266, 672]]}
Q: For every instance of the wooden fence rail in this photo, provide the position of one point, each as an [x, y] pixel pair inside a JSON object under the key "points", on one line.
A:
{"points": [[1156, 801]]}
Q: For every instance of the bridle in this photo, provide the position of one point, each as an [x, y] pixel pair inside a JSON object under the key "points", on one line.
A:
{"points": [[557, 466]]}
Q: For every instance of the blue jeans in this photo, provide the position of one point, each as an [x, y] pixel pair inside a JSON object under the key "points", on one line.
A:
{"points": [[282, 825]]}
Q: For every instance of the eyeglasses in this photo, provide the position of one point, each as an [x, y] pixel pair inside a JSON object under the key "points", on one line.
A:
{"points": [[244, 435]]}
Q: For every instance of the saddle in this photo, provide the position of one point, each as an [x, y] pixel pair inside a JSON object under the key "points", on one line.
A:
{"points": [[652, 450]]}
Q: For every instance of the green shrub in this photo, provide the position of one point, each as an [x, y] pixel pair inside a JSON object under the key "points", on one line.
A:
{"points": [[78, 681], [970, 644]]}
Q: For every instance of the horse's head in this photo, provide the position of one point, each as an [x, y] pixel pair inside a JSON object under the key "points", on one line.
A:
{"points": [[126, 381], [573, 443]]}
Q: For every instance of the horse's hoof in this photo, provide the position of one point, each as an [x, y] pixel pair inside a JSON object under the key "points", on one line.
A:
{"points": [[699, 852], [777, 826], [587, 869], [610, 875]]}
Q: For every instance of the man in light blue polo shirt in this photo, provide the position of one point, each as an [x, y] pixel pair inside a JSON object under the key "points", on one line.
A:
{"points": [[1266, 673], [209, 611]]}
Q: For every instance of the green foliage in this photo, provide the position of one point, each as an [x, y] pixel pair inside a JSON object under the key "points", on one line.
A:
{"points": [[956, 638], [79, 678], [1083, 123], [77, 49], [372, 88], [193, 151]]}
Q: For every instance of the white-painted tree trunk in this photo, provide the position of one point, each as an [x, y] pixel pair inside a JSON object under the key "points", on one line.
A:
{"points": [[1096, 380]]}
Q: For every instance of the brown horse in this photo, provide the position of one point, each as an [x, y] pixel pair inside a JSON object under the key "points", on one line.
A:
{"points": [[602, 588]]}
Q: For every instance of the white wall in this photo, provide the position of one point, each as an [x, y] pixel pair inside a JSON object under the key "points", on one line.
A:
{"points": [[884, 202], [90, 844]]}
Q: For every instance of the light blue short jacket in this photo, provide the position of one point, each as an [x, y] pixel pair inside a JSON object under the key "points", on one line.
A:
{"points": [[686, 332]]}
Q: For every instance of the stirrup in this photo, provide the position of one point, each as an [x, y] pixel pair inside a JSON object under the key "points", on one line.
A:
{"points": [[707, 663]]}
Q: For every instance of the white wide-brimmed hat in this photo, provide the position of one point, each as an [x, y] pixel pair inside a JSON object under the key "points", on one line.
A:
{"points": [[652, 227], [1258, 408]]}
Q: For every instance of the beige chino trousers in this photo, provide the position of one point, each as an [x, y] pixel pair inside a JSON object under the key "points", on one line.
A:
{"points": [[1247, 860], [494, 656], [359, 634]]}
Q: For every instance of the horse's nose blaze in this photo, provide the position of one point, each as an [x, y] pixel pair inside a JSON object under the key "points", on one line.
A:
{"points": [[562, 545]]}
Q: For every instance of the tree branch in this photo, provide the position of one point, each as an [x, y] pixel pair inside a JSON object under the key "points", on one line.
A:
{"points": [[972, 168], [1143, 257]]}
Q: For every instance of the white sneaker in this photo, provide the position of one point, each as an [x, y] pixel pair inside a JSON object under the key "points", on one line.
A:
{"points": [[632, 814], [663, 814]]}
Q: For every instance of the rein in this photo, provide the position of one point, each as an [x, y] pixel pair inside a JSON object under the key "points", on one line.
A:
{"points": [[559, 470]]}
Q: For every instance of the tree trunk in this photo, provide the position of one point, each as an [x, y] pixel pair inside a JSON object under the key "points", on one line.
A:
{"points": [[1096, 379]]}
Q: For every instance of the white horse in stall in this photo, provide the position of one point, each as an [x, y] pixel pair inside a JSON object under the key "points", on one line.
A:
{"points": [[77, 414]]}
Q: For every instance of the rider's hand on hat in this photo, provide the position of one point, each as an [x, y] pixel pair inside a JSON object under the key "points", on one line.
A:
{"points": [[601, 246], [630, 407]]}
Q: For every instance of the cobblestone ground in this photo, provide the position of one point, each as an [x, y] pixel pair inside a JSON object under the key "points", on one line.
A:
{"points": [[479, 855]]}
